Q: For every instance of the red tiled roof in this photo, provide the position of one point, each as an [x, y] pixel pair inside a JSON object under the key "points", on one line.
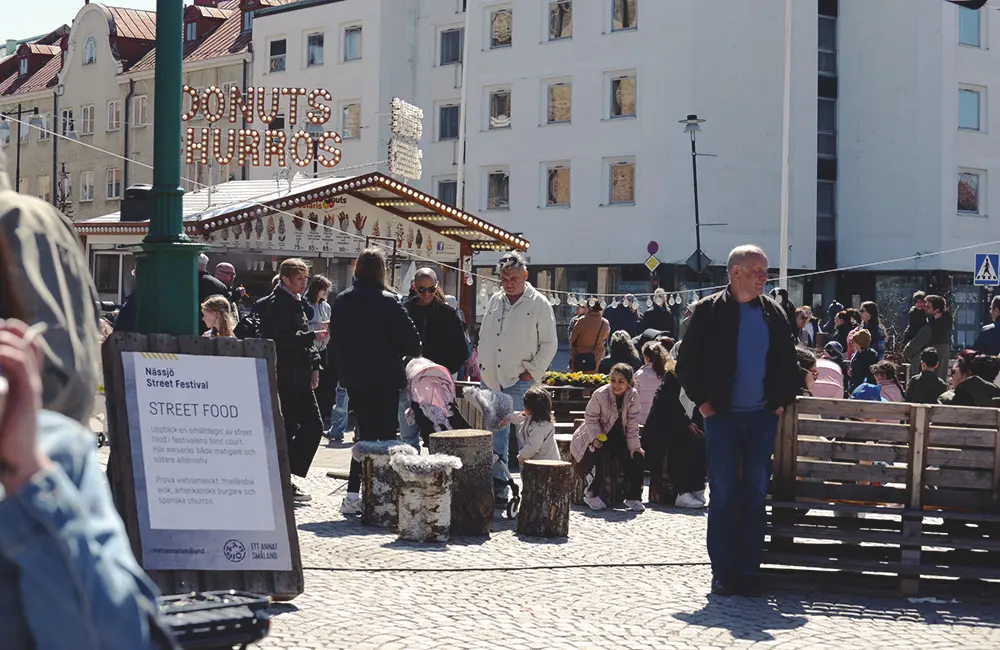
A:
{"points": [[44, 78], [35, 48], [133, 23], [215, 13], [6, 84]]}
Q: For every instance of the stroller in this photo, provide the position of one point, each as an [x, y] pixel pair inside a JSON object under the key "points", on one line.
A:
{"points": [[431, 389]]}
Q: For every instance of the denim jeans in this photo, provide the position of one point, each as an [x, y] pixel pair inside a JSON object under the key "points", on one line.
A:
{"points": [[501, 437], [338, 417], [408, 433], [738, 442]]}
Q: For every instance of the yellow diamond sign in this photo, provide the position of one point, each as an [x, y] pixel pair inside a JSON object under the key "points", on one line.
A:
{"points": [[652, 263]]}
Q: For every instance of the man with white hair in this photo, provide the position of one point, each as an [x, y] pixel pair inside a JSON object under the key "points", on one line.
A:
{"points": [[738, 364], [208, 286], [517, 341]]}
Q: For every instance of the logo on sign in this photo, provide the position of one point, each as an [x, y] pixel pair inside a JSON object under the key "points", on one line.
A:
{"points": [[234, 550], [986, 270]]}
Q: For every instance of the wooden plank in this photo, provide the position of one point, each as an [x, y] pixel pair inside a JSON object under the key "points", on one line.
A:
{"points": [[860, 494], [961, 438], [842, 535], [843, 408], [835, 507], [963, 416], [853, 451], [960, 499], [849, 472], [850, 430], [962, 458], [920, 424], [972, 479], [811, 561]]}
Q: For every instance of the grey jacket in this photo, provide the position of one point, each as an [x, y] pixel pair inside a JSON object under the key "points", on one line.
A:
{"points": [[56, 289]]}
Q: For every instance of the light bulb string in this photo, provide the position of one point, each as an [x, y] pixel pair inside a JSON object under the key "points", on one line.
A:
{"points": [[492, 281]]}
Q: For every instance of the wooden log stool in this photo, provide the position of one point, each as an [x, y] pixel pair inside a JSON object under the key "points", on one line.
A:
{"points": [[380, 483], [563, 441], [424, 502], [545, 498], [661, 490], [472, 486]]}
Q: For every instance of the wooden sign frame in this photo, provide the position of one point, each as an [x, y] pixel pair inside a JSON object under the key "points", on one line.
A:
{"points": [[282, 585]]}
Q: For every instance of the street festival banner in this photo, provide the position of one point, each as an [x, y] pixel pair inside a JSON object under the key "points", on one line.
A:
{"points": [[207, 483]]}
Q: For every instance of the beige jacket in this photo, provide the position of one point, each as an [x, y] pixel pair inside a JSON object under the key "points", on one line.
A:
{"points": [[56, 289]]}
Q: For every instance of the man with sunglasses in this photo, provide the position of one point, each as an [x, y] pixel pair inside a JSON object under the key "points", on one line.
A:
{"points": [[439, 325]]}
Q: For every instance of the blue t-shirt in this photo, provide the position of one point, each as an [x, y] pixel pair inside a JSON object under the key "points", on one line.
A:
{"points": [[753, 341]]}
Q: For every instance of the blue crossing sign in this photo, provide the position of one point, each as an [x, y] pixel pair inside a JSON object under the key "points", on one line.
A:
{"points": [[986, 270]]}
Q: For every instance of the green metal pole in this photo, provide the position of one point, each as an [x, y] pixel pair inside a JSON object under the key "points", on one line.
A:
{"points": [[167, 269]]}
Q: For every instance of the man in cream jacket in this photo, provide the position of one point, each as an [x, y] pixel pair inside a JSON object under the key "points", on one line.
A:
{"points": [[517, 341]]}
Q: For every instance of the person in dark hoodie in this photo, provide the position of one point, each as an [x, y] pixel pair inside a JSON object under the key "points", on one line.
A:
{"points": [[926, 387], [916, 318], [972, 379], [780, 296], [988, 341], [935, 333]]}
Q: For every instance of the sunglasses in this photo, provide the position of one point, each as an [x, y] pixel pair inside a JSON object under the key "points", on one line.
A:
{"points": [[426, 289]]}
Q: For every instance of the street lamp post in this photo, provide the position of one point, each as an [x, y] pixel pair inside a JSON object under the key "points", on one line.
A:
{"points": [[167, 273], [5, 132], [692, 126]]}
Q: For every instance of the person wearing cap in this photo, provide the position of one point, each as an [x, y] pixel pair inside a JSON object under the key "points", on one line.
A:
{"points": [[863, 359]]}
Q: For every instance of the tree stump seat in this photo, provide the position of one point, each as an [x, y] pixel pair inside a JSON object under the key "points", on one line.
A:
{"points": [[425, 495], [545, 498], [380, 482], [472, 484]]}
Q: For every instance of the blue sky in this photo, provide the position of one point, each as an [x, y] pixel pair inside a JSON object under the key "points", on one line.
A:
{"points": [[52, 13]]}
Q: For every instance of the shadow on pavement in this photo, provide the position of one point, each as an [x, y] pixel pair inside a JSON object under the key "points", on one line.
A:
{"points": [[750, 619], [971, 614]]}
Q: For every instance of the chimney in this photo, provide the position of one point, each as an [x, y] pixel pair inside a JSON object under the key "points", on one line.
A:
{"points": [[10, 47]]}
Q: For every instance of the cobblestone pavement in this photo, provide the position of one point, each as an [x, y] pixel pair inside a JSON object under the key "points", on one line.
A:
{"points": [[620, 580]]}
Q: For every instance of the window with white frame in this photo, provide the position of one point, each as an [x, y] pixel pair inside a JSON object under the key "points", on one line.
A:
{"points": [[44, 188], [500, 108], [352, 43], [559, 108], [451, 45], [621, 181], [87, 119], [560, 19], [68, 124], [114, 183], [970, 191], [623, 15], [447, 190], [501, 25], [140, 110], [24, 130], [114, 115], [86, 186], [970, 100], [276, 51], [247, 20], [970, 27], [497, 189], [623, 95], [314, 49], [23, 66], [350, 121], [557, 184], [90, 51], [45, 128], [449, 117], [191, 31]]}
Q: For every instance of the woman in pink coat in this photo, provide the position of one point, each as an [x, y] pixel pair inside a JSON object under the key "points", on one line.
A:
{"points": [[611, 431]]}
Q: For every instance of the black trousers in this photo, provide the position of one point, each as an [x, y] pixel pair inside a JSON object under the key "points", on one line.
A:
{"points": [[303, 428], [686, 461], [376, 417], [616, 448]]}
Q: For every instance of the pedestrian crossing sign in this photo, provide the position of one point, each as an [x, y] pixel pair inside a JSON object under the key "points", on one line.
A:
{"points": [[986, 270]]}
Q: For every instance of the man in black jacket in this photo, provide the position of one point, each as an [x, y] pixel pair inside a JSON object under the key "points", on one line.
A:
{"points": [[208, 286], [370, 335], [440, 328], [737, 363], [989, 337], [283, 319]]}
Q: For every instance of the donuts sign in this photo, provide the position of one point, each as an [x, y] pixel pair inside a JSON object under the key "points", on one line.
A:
{"points": [[249, 145]]}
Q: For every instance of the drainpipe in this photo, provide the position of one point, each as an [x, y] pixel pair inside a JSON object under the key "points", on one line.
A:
{"points": [[243, 120], [128, 112], [462, 121]]}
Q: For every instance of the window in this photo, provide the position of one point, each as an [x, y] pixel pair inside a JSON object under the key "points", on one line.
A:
{"points": [[277, 124], [560, 105], [968, 191], [500, 109], [87, 120], [351, 125], [969, 27], [621, 177], [68, 123], [500, 28], [623, 96], [827, 115], [114, 115], [448, 191], [448, 122], [23, 66], [827, 34], [90, 51], [86, 186], [276, 52], [140, 110], [557, 185], [247, 20], [314, 50], [825, 198], [352, 44], [6, 134], [24, 130], [451, 46], [969, 104], [623, 15], [114, 189], [497, 190], [560, 19], [44, 130], [44, 188], [191, 31]]}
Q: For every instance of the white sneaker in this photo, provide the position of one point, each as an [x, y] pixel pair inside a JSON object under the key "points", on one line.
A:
{"points": [[635, 505], [351, 505], [594, 502], [700, 495], [688, 500]]}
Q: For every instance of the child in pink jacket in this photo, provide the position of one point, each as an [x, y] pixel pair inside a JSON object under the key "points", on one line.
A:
{"points": [[649, 377], [611, 430]]}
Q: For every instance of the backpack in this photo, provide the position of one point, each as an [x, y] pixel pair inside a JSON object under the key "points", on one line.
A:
{"points": [[250, 326]]}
